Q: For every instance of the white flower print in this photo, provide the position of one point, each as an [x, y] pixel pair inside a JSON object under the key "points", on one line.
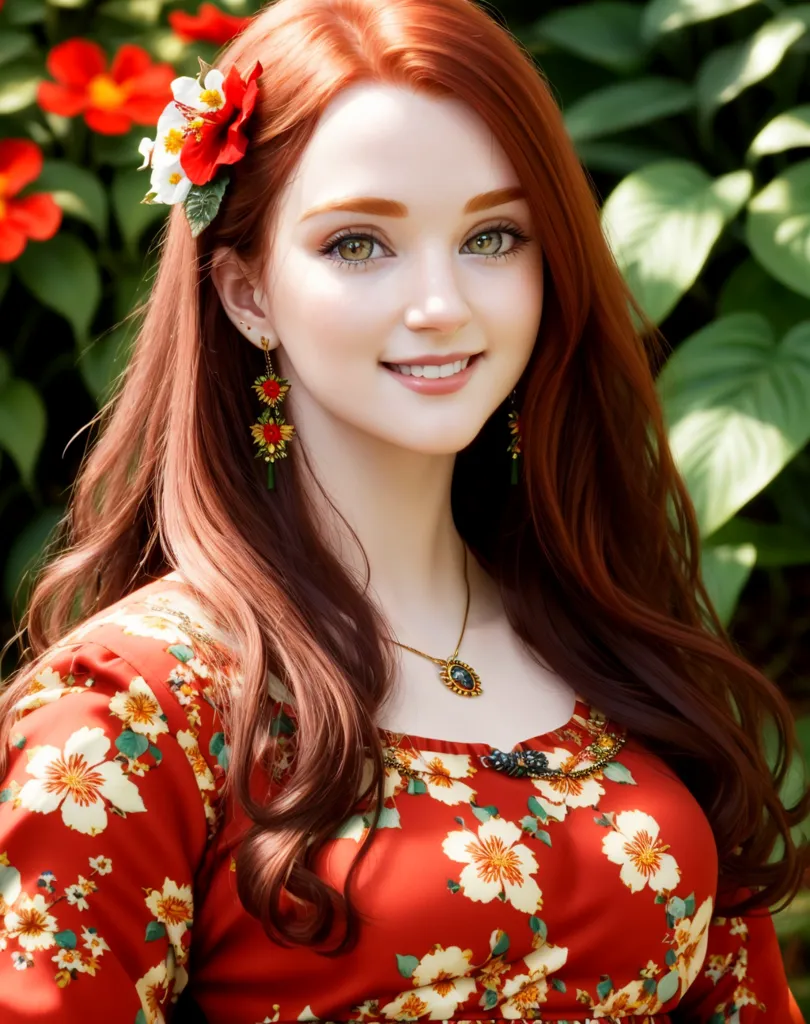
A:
{"points": [[442, 985], [139, 710], [103, 865], [94, 942], [46, 687], [31, 924], [10, 884], [496, 862], [174, 908], [22, 961], [525, 992], [635, 845], [152, 989], [691, 942], [627, 1002], [77, 894], [440, 772], [70, 960], [565, 792], [191, 748], [80, 780]]}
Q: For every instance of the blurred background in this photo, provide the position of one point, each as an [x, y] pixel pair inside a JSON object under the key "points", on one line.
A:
{"points": [[692, 119]]}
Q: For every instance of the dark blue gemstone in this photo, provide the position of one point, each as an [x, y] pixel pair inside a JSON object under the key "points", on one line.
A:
{"points": [[462, 677]]}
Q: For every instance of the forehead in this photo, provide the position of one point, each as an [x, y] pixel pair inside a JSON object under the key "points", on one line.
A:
{"points": [[425, 151]]}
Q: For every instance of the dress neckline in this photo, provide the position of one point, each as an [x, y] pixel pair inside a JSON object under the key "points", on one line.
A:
{"points": [[394, 738]]}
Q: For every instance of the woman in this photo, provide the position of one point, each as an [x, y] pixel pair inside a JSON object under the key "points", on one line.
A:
{"points": [[329, 719]]}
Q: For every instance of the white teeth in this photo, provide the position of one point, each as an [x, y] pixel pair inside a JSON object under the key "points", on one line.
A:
{"points": [[432, 372]]}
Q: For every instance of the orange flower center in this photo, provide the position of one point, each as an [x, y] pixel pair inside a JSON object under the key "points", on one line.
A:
{"points": [[496, 862], [173, 910], [272, 434], [76, 777], [105, 93], [3, 205]]}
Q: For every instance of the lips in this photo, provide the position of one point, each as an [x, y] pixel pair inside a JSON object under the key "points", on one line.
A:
{"points": [[434, 385]]}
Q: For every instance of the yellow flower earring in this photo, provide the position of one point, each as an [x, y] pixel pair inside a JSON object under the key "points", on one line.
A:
{"points": [[271, 432]]}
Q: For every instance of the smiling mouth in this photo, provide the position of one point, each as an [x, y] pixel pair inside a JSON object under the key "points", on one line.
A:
{"points": [[432, 372]]}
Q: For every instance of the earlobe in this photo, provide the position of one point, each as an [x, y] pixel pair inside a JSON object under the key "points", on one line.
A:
{"points": [[238, 296]]}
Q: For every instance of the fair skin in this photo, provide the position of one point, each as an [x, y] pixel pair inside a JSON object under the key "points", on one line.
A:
{"points": [[383, 452]]}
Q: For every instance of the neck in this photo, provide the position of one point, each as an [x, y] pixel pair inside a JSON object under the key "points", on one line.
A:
{"points": [[397, 502]]}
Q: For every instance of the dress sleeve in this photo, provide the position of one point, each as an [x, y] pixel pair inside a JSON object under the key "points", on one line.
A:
{"points": [[742, 978], [104, 818]]}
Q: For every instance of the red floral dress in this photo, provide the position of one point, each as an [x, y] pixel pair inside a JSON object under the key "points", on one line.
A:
{"points": [[484, 897]]}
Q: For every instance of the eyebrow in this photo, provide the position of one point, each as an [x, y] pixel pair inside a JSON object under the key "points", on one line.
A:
{"points": [[393, 208]]}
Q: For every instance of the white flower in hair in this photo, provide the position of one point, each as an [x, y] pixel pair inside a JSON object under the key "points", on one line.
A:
{"points": [[170, 183], [199, 132], [208, 96]]}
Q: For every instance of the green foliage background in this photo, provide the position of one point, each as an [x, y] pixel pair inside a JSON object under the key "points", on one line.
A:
{"points": [[692, 118]]}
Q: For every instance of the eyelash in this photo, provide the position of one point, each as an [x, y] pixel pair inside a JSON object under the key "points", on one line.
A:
{"points": [[332, 244]]}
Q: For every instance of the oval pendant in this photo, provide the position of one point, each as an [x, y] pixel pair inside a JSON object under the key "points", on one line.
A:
{"points": [[461, 679]]}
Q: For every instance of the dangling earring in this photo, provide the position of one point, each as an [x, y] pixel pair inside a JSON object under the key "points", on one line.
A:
{"points": [[270, 432], [515, 442]]}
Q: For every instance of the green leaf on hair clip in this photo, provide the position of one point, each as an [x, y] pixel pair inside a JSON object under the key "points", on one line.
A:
{"points": [[202, 203]]}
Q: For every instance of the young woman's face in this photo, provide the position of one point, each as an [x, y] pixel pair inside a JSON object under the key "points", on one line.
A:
{"points": [[440, 265]]}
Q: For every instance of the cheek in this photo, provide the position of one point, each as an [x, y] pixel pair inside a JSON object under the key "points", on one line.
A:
{"points": [[328, 318]]}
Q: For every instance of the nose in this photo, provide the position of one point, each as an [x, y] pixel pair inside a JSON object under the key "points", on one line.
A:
{"points": [[440, 304]]}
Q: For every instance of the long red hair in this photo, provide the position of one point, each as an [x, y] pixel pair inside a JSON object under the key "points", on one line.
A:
{"points": [[596, 552]]}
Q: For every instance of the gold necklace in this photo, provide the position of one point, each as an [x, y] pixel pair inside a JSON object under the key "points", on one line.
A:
{"points": [[456, 675]]}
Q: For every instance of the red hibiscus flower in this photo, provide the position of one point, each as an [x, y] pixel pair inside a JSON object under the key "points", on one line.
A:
{"points": [[134, 90], [218, 137], [34, 217], [209, 24]]}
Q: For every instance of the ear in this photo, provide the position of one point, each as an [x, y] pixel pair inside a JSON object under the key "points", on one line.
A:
{"points": [[242, 299]]}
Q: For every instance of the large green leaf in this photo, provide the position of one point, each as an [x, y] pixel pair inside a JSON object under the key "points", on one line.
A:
{"points": [[24, 12], [28, 550], [22, 425], [120, 150], [749, 288], [725, 570], [62, 274], [101, 361], [662, 16], [785, 131], [627, 105], [606, 32], [736, 405], [776, 544], [77, 191], [618, 157], [134, 12], [730, 70], [778, 227], [18, 85], [662, 222], [133, 216], [14, 44]]}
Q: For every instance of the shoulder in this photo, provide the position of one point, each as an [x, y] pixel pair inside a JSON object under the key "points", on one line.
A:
{"points": [[144, 672], [108, 806]]}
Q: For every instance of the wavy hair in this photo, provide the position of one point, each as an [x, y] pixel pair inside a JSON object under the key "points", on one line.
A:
{"points": [[596, 552]]}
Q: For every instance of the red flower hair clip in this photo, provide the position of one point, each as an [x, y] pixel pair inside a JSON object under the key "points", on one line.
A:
{"points": [[201, 129]]}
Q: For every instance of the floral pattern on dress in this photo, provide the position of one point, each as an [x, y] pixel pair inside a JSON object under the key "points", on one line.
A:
{"points": [[484, 897]]}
